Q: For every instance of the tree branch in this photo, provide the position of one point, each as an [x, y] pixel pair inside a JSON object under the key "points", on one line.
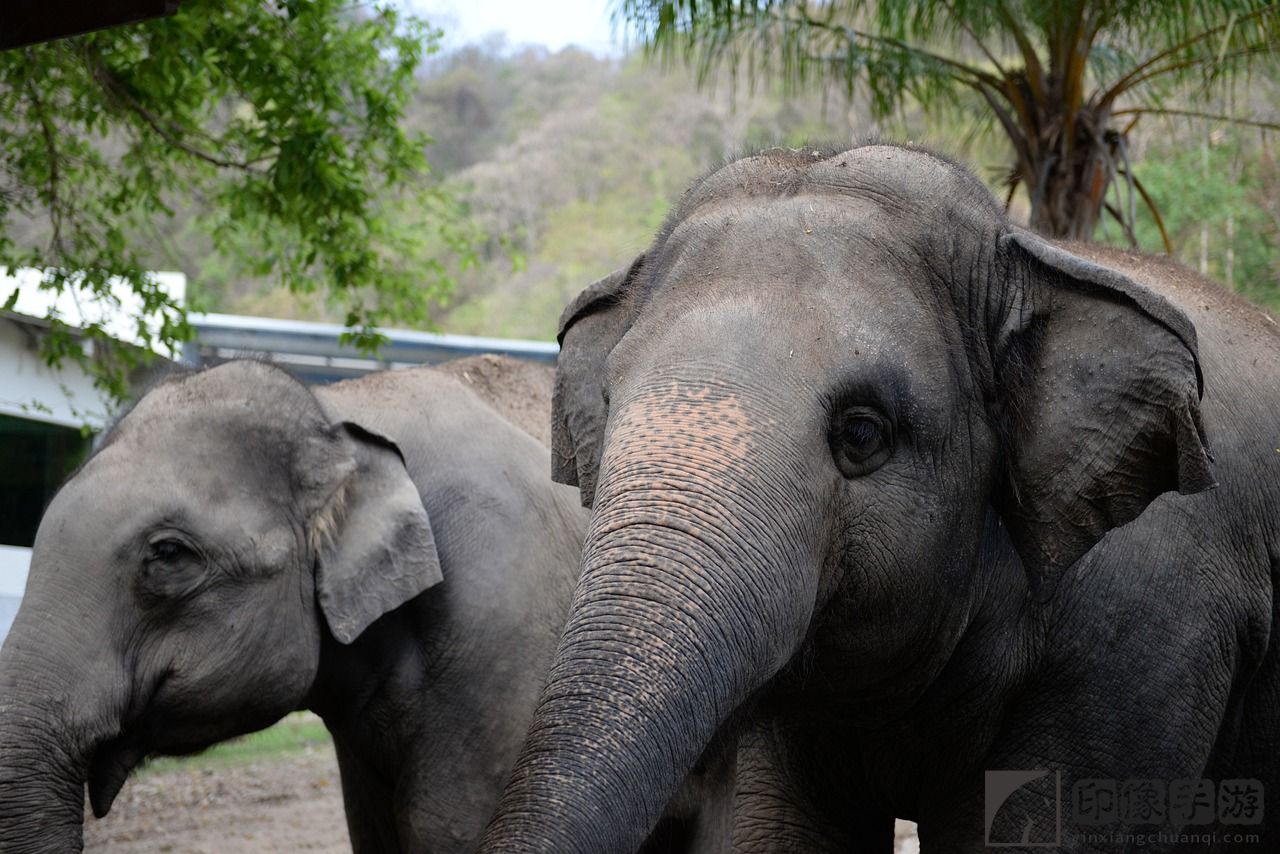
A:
{"points": [[56, 249], [117, 90], [1132, 211], [1123, 83], [964, 25], [1109, 97], [1014, 180], [1021, 143], [1195, 114], [1073, 81], [1128, 229], [853, 36], [1030, 60], [1155, 213]]}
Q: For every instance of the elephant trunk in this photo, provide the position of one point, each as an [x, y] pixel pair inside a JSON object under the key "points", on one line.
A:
{"points": [[41, 773], [56, 716], [693, 594]]}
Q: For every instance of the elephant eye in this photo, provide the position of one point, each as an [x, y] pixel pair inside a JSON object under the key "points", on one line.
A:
{"points": [[171, 568], [168, 551], [861, 441]]}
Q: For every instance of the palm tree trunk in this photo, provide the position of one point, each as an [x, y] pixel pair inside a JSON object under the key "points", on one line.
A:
{"points": [[1068, 179]]}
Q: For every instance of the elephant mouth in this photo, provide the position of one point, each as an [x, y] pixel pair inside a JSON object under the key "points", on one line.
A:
{"points": [[115, 758], [109, 767]]}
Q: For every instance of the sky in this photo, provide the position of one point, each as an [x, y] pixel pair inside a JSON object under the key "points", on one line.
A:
{"points": [[553, 24]]}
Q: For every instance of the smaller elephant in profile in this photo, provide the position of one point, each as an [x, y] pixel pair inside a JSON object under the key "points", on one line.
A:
{"points": [[388, 552]]}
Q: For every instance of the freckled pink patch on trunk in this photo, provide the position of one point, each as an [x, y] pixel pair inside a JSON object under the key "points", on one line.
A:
{"points": [[699, 427], [675, 448]]}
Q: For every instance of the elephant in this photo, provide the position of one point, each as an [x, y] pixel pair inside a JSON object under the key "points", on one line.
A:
{"points": [[387, 551], [919, 509]]}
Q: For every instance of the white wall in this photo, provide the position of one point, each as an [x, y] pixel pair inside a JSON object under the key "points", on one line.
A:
{"points": [[14, 563], [30, 389], [66, 396]]}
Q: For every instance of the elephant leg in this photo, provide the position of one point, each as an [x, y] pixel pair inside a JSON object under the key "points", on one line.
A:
{"points": [[775, 810], [371, 820]]}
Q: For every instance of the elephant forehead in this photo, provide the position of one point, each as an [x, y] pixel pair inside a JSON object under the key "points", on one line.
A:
{"points": [[898, 176], [242, 402], [119, 482], [823, 300], [186, 459], [765, 229], [911, 172], [841, 246]]}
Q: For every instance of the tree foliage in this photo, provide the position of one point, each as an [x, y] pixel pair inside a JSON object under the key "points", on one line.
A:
{"points": [[577, 158], [281, 120], [1222, 210], [1067, 80]]}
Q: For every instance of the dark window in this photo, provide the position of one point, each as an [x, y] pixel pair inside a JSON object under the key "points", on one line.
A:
{"points": [[34, 460]]}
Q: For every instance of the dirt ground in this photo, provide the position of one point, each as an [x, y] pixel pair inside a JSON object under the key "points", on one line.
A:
{"points": [[287, 804], [284, 804]]}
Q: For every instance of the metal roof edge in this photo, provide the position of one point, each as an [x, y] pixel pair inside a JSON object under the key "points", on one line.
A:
{"points": [[311, 329]]}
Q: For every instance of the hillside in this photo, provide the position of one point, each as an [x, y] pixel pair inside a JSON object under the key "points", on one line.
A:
{"points": [[567, 164]]}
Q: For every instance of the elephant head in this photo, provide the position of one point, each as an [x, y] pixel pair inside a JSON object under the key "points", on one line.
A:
{"points": [[797, 416], [181, 583]]}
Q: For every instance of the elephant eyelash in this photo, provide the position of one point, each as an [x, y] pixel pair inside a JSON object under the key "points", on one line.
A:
{"points": [[172, 541], [859, 395], [880, 386], [169, 549]]}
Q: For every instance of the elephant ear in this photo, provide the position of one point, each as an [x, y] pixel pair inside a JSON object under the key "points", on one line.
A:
{"points": [[1101, 389], [590, 327], [368, 530]]}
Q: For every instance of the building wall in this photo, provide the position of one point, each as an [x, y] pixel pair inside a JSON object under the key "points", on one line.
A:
{"points": [[30, 389]]}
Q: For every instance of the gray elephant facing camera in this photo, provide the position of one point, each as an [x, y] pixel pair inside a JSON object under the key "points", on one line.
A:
{"points": [[388, 552], [895, 493]]}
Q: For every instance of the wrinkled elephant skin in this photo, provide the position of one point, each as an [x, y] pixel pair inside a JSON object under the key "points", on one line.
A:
{"points": [[896, 493]]}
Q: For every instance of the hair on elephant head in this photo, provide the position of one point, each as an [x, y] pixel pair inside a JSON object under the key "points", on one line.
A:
{"points": [[182, 580], [796, 416]]}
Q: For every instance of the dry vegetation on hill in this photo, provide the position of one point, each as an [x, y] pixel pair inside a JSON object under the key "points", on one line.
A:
{"points": [[568, 163]]}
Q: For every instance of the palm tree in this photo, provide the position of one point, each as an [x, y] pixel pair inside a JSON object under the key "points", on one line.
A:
{"points": [[1066, 80]]}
